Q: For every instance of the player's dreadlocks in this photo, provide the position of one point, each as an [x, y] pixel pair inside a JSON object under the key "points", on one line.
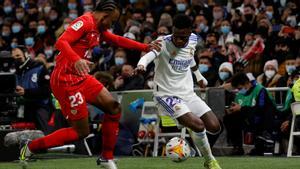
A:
{"points": [[106, 5]]}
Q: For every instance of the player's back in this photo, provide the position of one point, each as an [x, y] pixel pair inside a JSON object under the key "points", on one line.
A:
{"points": [[84, 27], [172, 68]]}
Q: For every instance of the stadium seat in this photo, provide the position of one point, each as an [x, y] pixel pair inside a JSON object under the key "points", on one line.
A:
{"points": [[296, 112], [87, 145]]}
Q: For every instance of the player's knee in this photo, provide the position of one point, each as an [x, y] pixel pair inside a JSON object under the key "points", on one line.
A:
{"points": [[198, 125], [195, 124], [215, 127], [114, 108], [114, 112]]}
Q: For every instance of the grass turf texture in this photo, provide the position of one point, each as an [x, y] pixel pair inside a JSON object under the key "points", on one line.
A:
{"points": [[162, 163]]}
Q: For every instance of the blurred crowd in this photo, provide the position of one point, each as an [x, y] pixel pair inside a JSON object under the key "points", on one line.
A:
{"points": [[260, 37]]}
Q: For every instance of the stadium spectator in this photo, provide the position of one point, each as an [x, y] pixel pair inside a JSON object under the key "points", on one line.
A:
{"points": [[206, 68], [254, 109], [270, 77], [225, 74], [33, 86], [128, 81]]}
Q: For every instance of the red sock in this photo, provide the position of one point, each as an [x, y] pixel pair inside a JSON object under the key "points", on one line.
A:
{"points": [[110, 131], [57, 138]]}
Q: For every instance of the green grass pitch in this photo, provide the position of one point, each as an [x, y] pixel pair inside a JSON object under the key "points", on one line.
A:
{"points": [[162, 163]]}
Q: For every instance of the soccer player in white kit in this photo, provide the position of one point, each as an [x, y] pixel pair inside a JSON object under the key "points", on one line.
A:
{"points": [[174, 90]]}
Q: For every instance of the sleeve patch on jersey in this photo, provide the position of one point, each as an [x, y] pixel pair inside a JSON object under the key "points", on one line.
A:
{"points": [[76, 26]]}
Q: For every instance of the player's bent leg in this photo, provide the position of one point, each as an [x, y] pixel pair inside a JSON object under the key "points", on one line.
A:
{"points": [[110, 127], [81, 127], [211, 122], [191, 121]]}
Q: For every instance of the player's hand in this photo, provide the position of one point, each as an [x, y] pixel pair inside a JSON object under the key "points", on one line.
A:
{"points": [[20, 91], [155, 45], [82, 67], [201, 84], [140, 69]]}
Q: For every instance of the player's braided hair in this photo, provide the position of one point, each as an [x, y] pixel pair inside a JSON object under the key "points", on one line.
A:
{"points": [[106, 5]]}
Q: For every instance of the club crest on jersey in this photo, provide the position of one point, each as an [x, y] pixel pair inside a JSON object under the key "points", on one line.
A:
{"points": [[76, 26], [74, 111]]}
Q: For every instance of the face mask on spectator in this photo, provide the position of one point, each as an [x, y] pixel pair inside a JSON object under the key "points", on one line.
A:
{"points": [[181, 7], [269, 15], [217, 15], [243, 91], [29, 41], [47, 9], [73, 16], [203, 27], [20, 15], [13, 45], [66, 26], [119, 61], [5, 34], [203, 68], [291, 20], [53, 17], [72, 5], [290, 69], [48, 52], [7, 9], [270, 73], [150, 84], [225, 29], [88, 7], [16, 28], [224, 75], [41, 29], [133, 1]]}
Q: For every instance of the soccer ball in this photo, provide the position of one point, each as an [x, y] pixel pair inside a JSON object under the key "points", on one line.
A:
{"points": [[178, 149]]}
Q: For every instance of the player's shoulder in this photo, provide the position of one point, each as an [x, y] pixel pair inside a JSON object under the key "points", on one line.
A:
{"points": [[193, 37], [84, 20]]}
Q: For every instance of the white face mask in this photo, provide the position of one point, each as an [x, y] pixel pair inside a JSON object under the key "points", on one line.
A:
{"points": [[270, 73]]}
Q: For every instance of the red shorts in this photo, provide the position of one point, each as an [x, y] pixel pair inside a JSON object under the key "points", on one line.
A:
{"points": [[73, 99]]}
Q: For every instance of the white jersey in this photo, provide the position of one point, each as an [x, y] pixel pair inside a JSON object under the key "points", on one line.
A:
{"points": [[173, 75]]}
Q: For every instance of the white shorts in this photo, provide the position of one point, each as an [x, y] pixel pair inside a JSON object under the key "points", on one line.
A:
{"points": [[176, 107]]}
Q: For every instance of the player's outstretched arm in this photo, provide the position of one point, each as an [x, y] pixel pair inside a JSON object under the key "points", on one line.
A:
{"points": [[130, 44]]}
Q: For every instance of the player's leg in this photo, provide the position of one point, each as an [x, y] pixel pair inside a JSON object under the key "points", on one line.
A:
{"points": [[99, 96], [110, 125], [211, 122], [74, 109], [199, 109]]}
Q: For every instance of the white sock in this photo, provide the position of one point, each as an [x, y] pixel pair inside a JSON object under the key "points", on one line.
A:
{"points": [[201, 141]]}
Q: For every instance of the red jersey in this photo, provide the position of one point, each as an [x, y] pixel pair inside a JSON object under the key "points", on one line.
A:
{"points": [[76, 43]]}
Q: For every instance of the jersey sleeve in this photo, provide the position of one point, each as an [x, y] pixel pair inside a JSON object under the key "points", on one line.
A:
{"points": [[73, 33], [124, 42]]}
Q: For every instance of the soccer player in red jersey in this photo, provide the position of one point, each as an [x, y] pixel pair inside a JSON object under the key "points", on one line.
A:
{"points": [[74, 87]]}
